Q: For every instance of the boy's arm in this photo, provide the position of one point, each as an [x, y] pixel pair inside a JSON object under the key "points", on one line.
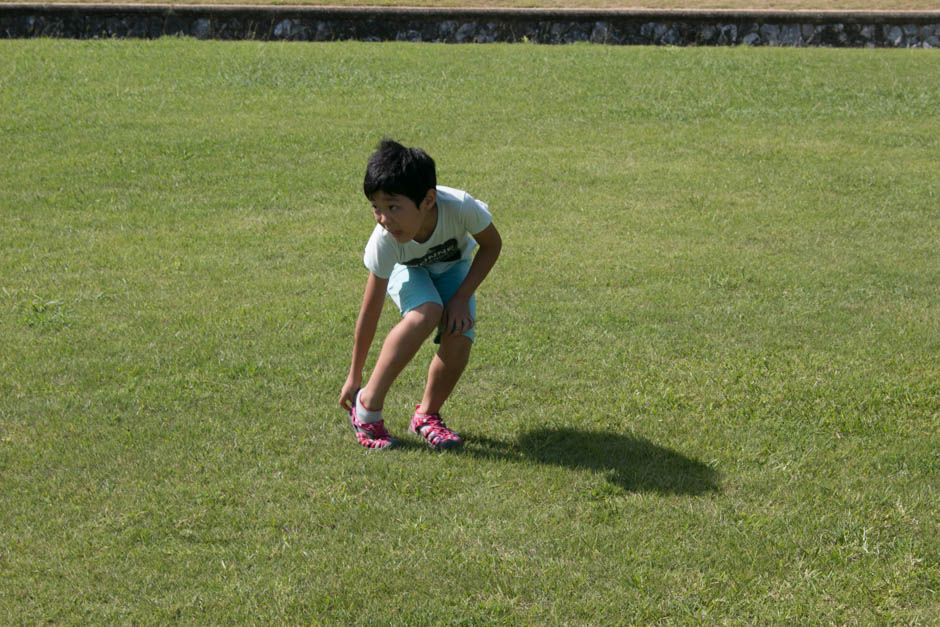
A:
{"points": [[368, 321], [457, 318]]}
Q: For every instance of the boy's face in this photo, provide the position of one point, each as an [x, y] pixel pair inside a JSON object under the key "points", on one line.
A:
{"points": [[400, 216]]}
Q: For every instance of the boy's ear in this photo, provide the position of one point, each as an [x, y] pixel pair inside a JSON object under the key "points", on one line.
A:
{"points": [[429, 199]]}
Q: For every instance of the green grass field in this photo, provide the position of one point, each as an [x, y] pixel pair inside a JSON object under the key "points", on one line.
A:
{"points": [[705, 386]]}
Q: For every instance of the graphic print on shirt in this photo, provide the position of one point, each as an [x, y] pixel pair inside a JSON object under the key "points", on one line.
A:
{"points": [[448, 251]]}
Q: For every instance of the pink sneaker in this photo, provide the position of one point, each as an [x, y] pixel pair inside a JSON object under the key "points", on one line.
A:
{"points": [[432, 428], [371, 434]]}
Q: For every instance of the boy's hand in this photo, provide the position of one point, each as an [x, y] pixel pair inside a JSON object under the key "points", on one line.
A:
{"points": [[348, 395], [456, 319]]}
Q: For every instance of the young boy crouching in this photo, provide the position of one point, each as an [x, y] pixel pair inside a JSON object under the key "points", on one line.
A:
{"points": [[421, 254]]}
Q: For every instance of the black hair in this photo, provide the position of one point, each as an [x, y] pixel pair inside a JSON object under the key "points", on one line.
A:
{"points": [[395, 169]]}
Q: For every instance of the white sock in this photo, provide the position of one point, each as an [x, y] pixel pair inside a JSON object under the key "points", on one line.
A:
{"points": [[364, 414]]}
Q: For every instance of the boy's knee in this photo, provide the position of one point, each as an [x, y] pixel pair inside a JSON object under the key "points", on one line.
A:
{"points": [[427, 316], [456, 344], [455, 348]]}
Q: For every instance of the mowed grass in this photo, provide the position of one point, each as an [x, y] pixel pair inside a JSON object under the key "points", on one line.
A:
{"points": [[705, 385]]}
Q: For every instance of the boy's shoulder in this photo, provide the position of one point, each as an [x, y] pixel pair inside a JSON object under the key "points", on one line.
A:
{"points": [[451, 194], [458, 198]]}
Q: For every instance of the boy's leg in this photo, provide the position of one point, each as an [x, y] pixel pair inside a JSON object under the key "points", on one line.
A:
{"points": [[413, 291], [448, 364], [446, 368], [399, 348]]}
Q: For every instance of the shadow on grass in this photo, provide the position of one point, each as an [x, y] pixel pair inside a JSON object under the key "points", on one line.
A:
{"points": [[634, 464]]}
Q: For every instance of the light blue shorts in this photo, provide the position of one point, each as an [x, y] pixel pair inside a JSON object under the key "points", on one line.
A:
{"points": [[412, 286]]}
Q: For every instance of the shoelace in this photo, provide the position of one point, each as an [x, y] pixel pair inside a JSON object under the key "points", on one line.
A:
{"points": [[435, 428], [375, 429]]}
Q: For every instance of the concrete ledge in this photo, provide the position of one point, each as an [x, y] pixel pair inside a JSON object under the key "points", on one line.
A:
{"points": [[552, 26]]}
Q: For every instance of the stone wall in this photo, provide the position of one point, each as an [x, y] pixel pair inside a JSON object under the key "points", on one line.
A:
{"points": [[640, 27]]}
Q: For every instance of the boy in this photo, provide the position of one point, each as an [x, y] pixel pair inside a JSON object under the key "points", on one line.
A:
{"points": [[421, 253]]}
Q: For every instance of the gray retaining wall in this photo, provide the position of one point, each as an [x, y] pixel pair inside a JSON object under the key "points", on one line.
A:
{"points": [[626, 27]]}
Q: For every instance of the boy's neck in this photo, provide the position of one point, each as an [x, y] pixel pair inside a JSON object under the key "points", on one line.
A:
{"points": [[428, 225]]}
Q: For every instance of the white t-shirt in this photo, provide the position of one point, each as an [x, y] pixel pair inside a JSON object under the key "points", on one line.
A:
{"points": [[459, 215]]}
